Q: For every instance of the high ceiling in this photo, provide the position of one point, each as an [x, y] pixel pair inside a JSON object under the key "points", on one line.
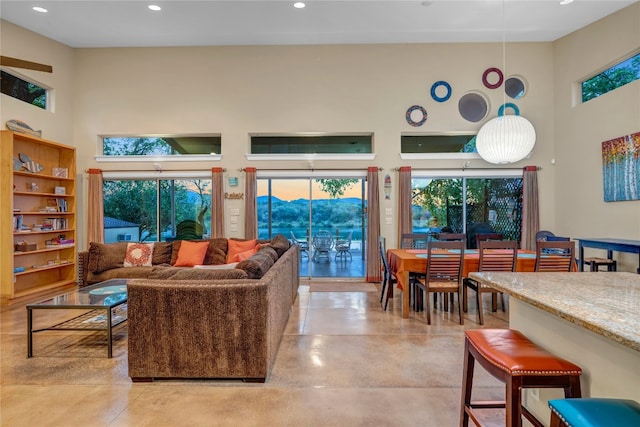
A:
{"points": [[122, 23]]}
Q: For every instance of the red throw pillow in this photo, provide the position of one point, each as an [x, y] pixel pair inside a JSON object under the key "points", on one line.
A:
{"points": [[238, 246], [191, 253]]}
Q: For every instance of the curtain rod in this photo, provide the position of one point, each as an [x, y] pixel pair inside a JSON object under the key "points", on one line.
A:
{"points": [[468, 169], [152, 170], [309, 169]]}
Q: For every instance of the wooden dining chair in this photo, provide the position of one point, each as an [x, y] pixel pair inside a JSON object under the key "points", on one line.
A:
{"points": [[481, 237], [555, 256], [414, 240], [443, 273], [498, 256], [389, 280], [452, 236]]}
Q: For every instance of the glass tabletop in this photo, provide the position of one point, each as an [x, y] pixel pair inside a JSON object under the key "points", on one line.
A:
{"points": [[104, 294]]}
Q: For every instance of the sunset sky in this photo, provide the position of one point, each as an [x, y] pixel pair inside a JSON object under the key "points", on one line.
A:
{"points": [[292, 189]]}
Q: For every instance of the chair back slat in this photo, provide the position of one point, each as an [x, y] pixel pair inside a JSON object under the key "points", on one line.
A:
{"points": [[498, 255], [555, 256]]}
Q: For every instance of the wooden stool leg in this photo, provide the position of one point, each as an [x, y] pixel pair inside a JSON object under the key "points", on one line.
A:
{"points": [[467, 384], [556, 421], [512, 402]]}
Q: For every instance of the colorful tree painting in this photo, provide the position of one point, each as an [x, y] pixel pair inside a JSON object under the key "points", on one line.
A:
{"points": [[621, 168]]}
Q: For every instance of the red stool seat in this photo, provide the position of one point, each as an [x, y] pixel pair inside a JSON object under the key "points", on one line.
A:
{"points": [[512, 358]]}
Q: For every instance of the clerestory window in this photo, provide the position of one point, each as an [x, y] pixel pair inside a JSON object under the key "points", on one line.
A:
{"points": [[612, 78], [21, 89]]}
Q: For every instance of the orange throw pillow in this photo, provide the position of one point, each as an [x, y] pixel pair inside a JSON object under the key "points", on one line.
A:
{"points": [[244, 255], [191, 253], [236, 247]]}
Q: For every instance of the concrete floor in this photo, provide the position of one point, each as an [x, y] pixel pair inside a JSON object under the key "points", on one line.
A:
{"points": [[342, 362]]}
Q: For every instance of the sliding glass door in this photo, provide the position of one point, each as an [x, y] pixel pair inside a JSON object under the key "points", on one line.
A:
{"points": [[471, 205], [320, 214]]}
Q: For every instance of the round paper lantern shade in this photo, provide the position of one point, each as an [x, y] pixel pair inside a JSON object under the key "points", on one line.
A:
{"points": [[505, 139]]}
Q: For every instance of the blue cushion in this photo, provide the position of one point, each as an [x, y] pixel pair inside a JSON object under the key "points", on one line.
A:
{"points": [[557, 239], [597, 412]]}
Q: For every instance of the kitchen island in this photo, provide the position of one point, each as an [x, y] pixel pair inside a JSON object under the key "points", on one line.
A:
{"points": [[591, 319]]}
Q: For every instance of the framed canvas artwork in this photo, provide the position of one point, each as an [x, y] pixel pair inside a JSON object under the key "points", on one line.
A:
{"points": [[621, 168]]}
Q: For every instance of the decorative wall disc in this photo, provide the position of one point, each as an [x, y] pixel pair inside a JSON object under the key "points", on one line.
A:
{"points": [[473, 106], [485, 78], [514, 107], [416, 110], [435, 87]]}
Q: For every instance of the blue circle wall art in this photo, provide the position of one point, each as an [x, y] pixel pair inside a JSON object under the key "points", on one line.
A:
{"points": [[434, 91], [514, 107], [485, 78], [420, 110]]}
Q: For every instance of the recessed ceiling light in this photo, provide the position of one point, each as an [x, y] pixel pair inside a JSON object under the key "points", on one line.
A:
{"points": [[40, 9], [563, 2], [299, 5], [155, 7]]}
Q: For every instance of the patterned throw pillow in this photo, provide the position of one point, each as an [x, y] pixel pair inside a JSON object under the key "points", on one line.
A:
{"points": [[138, 255]]}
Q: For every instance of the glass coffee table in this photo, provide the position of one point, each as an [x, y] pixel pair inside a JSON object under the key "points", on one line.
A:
{"points": [[105, 304]]}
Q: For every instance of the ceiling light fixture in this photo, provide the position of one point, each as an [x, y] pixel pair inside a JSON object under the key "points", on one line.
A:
{"points": [[155, 7], [563, 2], [40, 9], [505, 139], [299, 5]]}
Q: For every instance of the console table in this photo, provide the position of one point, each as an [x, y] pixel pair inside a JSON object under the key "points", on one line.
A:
{"points": [[610, 245]]}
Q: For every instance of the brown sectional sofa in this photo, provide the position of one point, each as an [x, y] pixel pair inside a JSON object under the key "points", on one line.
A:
{"points": [[196, 326], [105, 261]]}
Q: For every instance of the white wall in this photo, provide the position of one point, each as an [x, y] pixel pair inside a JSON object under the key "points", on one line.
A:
{"points": [[580, 210], [236, 91], [56, 124]]}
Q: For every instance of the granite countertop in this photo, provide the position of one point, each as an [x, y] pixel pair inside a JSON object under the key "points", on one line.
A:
{"points": [[607, 303]]}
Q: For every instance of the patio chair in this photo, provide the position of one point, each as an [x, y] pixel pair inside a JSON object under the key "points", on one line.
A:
{"points": [[322, 245], [188, 230], [343, 248], [302, 245]]}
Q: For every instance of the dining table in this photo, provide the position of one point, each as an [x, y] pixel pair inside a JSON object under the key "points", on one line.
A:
{"points": [[403, 262]]}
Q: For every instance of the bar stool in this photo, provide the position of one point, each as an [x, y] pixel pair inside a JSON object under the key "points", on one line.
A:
{"points": [[594, 263], [594, 412], [519, 363]]}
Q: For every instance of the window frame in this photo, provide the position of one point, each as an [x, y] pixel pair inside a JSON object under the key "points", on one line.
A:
{"points": [[48, 90], [101, 158], [438, 156], [308, 156], [580, 83]]}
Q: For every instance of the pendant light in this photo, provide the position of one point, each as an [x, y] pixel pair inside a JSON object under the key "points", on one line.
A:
{"points": [[506, 138]]}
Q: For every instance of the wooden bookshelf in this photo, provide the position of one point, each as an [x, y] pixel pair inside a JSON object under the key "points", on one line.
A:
{"points": [[44, 203]]}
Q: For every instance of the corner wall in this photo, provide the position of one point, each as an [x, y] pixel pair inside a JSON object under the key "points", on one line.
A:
{"points": [[579, 206]]}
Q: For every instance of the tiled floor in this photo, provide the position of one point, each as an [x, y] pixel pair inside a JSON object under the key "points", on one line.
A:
{"points": [[342, 362]]}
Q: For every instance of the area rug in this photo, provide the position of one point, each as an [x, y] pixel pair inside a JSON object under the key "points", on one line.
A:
{"points": [[342, 287]]}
